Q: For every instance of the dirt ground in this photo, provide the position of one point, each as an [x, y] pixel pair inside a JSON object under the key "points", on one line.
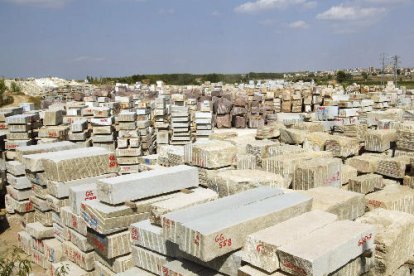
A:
{"points": [[8, 239], [18, 99]]}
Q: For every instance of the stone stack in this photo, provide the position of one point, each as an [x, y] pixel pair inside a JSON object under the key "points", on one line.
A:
{"points": [[161, 121], [204, 121], [103, 129], [53, 129], [128, 143], [21, 132], [80, 133], [180, 125]]}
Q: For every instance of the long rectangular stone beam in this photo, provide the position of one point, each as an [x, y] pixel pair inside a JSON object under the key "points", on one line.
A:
{"points": [[146, 184]]}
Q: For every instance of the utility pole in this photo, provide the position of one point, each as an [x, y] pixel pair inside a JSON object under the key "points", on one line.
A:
{"points": [[396, 62], [383, 59]]}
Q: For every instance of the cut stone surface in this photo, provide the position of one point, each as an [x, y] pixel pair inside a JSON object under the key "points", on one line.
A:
{"points": [[19, 194], [61, 189], [19, 182], [38, 231], [150, 236], [73, 221], [146, 184], [53, 250], [69, 266], [344, 204], [148, 260], [70, 165], [106, 219], [392, 167], [365, 184], [230, 182], [213, 155], [110, 246], [43, 148], [248, 270], [172, 223], [317, 172], [216, 234], [394, 240], [327, 249], [82, 259], [134, 271], [261, 247], [15, 168], [180, 201], [392, 197], [81, 193], [347, 172], [117, 265], [79, 241]]}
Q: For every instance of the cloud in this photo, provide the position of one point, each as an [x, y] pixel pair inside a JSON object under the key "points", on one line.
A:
{"points": [[300, 24], [350, 13], [166, 11], [83, 59], [263, 5], [41, 3]]}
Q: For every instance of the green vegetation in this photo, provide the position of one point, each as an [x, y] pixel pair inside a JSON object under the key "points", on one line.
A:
{"points": [[342, 77], [37, 100], [15, 88], [15, 263], [4, 98], [184, 79]]}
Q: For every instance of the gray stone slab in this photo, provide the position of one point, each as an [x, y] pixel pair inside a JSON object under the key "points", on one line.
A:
{"points": [[148, 260], [81, 193], [110, 246], [75, 164], [19, 182], [39, 231], [44, 148], [83, 259], [216, 234], [344, 204], [172, 222], [261, 247], [327, 249], [150, 236], [146, 184], [15, 168]]}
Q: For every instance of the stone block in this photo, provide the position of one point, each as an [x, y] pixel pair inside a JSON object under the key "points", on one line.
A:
{"points": [[344, 204], [148, 260], [219, 233], [261, 247], [327, 249], [110, 246], [38, 231], [81, 193], [146, 184], [83, 259], [365, 184], [394, 241], [392, 197]]}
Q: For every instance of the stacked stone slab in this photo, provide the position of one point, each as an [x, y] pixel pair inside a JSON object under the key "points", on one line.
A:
{"points": [[261, 248], [180, 125], [162, 124], [129, 142], [206, 241], [80, 133], [260, 149], [365, 163], [103, 129], [392, 167], [53, 129], [21, 132], [204, 121], [147, 135], [19, 191]]}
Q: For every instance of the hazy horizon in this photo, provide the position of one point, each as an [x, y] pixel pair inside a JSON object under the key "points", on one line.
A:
{"points": [[72, 39]]}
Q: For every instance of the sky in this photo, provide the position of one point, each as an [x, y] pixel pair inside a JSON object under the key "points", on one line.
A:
{"points": [[75, 38]]}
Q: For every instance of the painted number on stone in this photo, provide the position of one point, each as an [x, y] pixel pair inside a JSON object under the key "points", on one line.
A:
{"points": [[364, 240], [222, 241]]}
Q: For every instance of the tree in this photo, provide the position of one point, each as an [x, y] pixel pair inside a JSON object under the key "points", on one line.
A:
{"points": [[15, 88], [2, 86], [341, 77], [364, 76]]}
